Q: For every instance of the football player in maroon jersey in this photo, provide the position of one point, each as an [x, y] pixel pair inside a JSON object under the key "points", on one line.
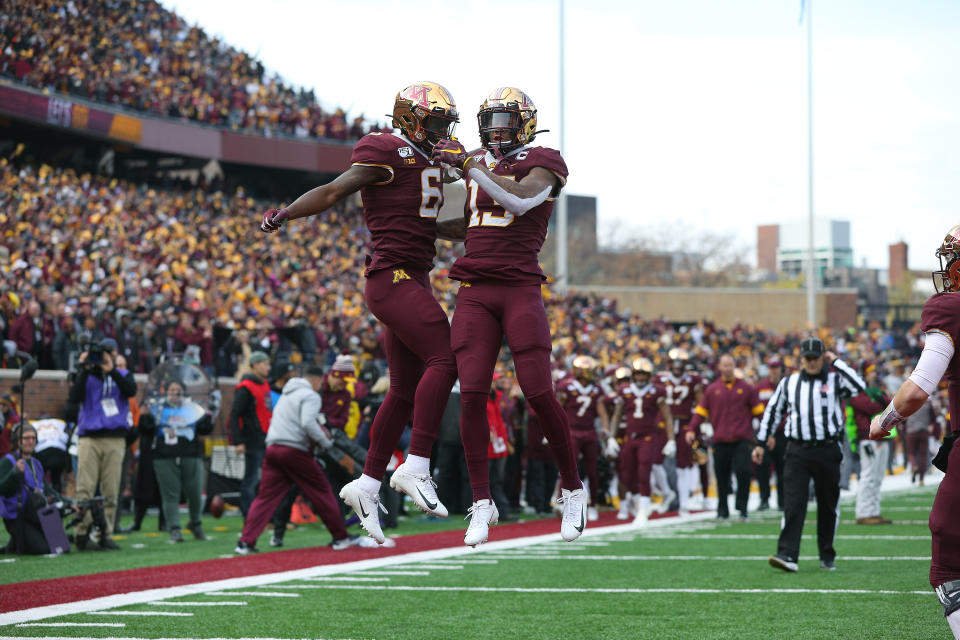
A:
{"points": [[684, 391], [511, 187], [584, 403], [647, 442], [940, 322], [402, 190]]}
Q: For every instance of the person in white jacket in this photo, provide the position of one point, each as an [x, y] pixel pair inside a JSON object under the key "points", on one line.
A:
{"points": [[296, 427]]}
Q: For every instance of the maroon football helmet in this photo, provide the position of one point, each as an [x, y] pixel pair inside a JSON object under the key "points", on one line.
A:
{"points": [[948, 253]]}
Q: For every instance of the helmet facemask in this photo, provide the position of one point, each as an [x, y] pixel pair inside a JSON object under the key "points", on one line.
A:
{"points": [[499, 128], [948, 253]]}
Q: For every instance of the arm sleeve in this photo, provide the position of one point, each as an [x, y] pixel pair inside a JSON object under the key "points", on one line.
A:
{"points": [[862, 403], [849, 380], [309, 410], [514, 204], [936, 356], [205, 425], [79, 389]]}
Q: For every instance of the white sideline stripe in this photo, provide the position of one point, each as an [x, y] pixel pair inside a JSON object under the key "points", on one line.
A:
{"points": [[246, 582], [73, 624], [465, 562], [347, 579], [701, 558], [774, 536], [265, 594], [127, 638], [180, 603], [178, 614], [6, 560], [624, 590], [427, 566]]}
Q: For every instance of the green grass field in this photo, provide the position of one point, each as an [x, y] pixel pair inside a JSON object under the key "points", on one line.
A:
{"points": [[692, 580]]}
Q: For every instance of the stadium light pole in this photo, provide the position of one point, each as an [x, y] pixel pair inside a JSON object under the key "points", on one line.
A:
{"points": [[811, 265], [562, 271]]}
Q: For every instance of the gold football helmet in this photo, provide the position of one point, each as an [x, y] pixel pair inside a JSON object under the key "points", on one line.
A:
{"points": [[426, 113], [621, 374], [949, 251], [584, 368], [643, 366], [511, 114], [678, 360]]}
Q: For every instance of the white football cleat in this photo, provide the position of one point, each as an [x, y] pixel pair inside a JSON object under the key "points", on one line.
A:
{"points": [[574, 519], [483, 514], [367, 506], [624, 512], [421, 489], [666, 500], [592, 514]]}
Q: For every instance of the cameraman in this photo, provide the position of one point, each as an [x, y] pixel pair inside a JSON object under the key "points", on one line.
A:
{"points": [[102, 393], [21, 485]]}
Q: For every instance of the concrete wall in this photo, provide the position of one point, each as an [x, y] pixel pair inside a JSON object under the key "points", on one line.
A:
{"points": [[774, 309]]}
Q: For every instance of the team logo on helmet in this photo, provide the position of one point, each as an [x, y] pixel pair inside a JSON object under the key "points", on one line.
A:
{"points": [[426, 113], [948, 253]]}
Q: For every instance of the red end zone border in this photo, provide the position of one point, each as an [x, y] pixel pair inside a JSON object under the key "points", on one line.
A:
{"points": [[38, 599]]}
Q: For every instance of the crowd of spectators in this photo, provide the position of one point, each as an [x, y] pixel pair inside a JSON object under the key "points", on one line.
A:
{"points": [[138, 55], [185, 270]]}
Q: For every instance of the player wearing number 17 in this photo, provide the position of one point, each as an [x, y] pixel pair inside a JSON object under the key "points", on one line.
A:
{"points": [[510, 191], [402, 190]]}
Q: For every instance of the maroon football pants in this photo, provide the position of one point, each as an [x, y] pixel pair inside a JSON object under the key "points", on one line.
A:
{"points": [[282, 468], [945, 526], [587, 444], [486, 312], [637, 457], [422, 367]]}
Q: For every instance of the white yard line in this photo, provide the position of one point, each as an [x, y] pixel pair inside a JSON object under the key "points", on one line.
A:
{"points": [[171, 614], [263, 594], [181, 603], [73, 624], [431, 567], [927, 593], [347, 579], [774, 536]]}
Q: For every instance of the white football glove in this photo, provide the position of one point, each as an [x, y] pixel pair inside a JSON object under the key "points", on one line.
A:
{"points": [[612, 449], [670, 449]]}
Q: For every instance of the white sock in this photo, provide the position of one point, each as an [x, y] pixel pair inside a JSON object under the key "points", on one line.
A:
{"points": [[660, 475], [954, 621], [368, 484], [644, 504], [683, 487], [417, 465]]}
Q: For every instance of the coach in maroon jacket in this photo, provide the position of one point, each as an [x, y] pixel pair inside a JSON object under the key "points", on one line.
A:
{"points": [[731, 404]]}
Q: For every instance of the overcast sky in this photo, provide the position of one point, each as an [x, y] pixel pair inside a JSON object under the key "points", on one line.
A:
{"points": [[690, 112]]}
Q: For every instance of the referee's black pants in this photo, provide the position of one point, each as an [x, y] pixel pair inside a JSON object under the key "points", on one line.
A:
{"points": [[802, 462], [732, 457]]}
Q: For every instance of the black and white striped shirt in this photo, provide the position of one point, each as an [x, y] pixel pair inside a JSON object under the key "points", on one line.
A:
{"points": [[812, 404]]}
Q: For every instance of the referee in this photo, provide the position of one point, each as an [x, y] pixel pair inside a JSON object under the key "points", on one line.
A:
{"points": [[811, 399]]}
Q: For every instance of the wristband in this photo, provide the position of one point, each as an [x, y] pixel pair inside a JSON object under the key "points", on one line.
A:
{"points": [[890, 418]]}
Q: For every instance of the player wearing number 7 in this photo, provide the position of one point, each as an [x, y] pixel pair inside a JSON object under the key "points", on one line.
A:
{"points": [[510, 191], [402, 190]]}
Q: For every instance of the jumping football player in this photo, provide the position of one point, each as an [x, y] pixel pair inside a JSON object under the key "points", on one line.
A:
{"points": [[940, 322], [402, 190], [511, 187]]}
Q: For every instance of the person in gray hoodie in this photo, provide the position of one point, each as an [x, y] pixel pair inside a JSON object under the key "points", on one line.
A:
{"points": [[296, 427]]}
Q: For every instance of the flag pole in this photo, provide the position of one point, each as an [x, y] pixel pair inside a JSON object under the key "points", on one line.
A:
{"points": [[562, 280], [811, 257]]}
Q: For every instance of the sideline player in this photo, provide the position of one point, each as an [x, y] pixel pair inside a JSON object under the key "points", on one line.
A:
{"points": [[645, 442], [684, 391], [940, 322], [585, 402], [402, 190], [511, 187]]}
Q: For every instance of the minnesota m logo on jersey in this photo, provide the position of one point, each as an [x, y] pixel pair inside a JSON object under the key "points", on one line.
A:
{"points": [[398, 275]]}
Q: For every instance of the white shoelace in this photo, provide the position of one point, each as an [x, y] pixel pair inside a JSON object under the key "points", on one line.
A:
{"points": [[475, 509], [573, 513], [375, 499]]}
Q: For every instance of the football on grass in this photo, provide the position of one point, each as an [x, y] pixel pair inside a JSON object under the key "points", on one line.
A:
{"points": [[216, 506]]}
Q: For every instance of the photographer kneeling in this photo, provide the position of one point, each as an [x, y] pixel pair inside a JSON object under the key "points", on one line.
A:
{"points": [[21, 485], [103, 394]]}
